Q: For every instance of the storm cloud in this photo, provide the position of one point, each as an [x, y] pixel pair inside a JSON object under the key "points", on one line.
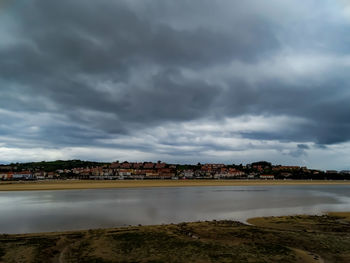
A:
{"points": [[181, 81]]}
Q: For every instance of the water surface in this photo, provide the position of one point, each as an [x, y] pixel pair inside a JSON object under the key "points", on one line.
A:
{"points": [[45, 211]]}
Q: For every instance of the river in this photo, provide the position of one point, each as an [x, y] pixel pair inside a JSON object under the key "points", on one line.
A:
{"points": [[47, 211]]}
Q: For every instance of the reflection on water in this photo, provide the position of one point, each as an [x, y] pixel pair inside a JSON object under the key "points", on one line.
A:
{"points": [[24, 212], [241, 190]]}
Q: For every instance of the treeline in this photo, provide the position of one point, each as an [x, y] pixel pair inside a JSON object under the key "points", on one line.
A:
{"points": [[51, 166]]}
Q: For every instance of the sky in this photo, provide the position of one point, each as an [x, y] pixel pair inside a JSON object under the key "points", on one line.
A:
{"points": [[181, 81]]}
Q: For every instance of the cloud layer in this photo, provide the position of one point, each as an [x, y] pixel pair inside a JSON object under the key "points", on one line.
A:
{"points": [[182, 81]]}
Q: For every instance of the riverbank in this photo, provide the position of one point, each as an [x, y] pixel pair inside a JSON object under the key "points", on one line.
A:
{"points": [[279, 239], [93, 184]]}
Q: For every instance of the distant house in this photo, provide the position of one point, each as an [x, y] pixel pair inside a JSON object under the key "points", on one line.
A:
{"points": [[235, 173], [286, 175], [152, 175], [251, 176], [40, 175], [115, 165], [23, 176], [139, 172], [5, 168], [125, 172], [267, 176], [160, 165], [188, 173], [9, 176], [51, 175], [148, 165], [331, 172], [261, 166], [125, 165], [287, 168], [137, 165], [166, 175]]}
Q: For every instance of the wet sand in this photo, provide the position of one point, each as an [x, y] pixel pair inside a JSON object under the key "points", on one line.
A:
{"points": [[93, 184]]}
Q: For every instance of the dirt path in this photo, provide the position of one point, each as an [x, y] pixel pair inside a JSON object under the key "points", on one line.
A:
{"points": [[307, 257], [61, 256]]}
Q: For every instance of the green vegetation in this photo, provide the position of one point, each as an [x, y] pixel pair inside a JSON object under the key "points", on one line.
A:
{"points": [[182, 167], [54, 165], [273, 239]]}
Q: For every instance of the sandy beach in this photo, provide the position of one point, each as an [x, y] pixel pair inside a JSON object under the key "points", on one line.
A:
{"points": [[93, 184]]}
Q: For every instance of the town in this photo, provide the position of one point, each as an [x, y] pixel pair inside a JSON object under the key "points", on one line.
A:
{"points": [[76, 169]]}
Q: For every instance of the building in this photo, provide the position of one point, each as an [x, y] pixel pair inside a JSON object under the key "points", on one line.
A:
{"points": [[148, 165], [3, 176], [125, 165], [125, 172], [115, 165], [152, 175], [25, 175], [160, 165], [188, 173], [252, 176], [166, 173], [137, 165], [267, 176], [287, 168], [331, 172]]}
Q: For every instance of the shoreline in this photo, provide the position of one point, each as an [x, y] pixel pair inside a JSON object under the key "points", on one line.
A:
{"points": [[253, 221], [94, 184]]}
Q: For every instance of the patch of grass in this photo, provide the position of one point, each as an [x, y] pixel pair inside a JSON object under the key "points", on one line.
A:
{"points": [[273, 239]]}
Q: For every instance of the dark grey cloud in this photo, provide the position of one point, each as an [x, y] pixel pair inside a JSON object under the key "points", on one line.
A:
{"points": [[324, 107], [102, 69], [303, 146], [59, 42], [301, 150]]}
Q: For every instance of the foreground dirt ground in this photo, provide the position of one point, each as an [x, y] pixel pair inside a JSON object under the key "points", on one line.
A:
{"points": [[93, 184], [272, 239]]}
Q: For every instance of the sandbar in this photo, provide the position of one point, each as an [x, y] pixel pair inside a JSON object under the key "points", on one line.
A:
{"points": [[106, 184]]}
